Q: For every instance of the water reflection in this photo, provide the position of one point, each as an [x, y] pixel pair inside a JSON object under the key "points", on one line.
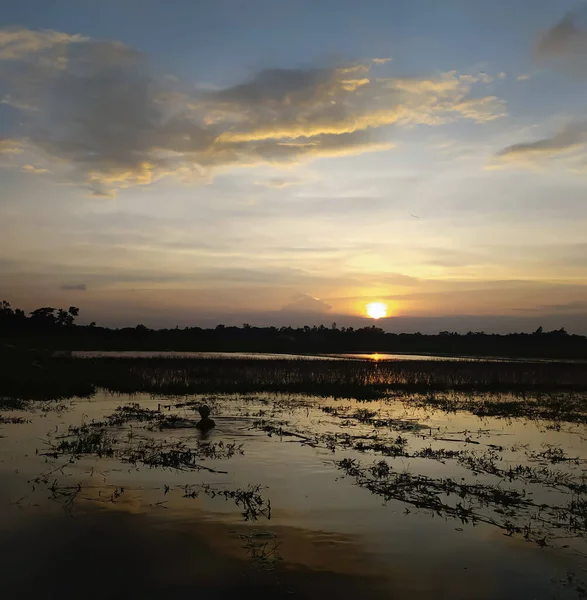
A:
{"points": [[112, 552], [134, 531], [378, 356]]}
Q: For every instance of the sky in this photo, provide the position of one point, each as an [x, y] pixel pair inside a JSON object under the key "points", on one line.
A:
{"points": [[282, 162]]}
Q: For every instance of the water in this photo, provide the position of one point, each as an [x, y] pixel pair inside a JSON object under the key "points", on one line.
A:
{"points": [[327, 533], [370, 356], [174, 354]]}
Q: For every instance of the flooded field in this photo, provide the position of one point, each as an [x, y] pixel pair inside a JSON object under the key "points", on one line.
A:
{"points": [[409, 495]]}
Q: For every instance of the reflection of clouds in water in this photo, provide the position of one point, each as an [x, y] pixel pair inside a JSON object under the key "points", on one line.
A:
{"points": [[332, 535], [117, 554]]}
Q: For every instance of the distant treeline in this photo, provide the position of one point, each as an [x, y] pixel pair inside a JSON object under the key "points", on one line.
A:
{"points": [[55, 329]]}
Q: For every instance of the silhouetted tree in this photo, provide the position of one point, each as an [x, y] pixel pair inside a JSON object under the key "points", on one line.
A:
{"points": [[52, 328]]}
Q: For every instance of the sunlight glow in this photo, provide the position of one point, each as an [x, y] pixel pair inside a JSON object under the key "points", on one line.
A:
{"points": [[377, 310]]}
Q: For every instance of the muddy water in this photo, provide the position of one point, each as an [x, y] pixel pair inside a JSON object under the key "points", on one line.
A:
{"points": [[97, 527]]}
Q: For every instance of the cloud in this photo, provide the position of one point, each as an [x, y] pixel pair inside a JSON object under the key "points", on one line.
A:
{"points": [[381, 61], [34, 170], [306, 304], [564, 38], [278, 182], [564, 307], [399, 279], [97, 111], [523, 77], [79, 287], [17, 43], [9, 101], [10, 146], [570, 138], [291, 104]]}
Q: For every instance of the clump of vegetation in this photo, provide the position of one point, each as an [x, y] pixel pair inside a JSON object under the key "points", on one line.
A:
{"points": [[553, 454], [279, 430], [87, 441], [132, 412], [262, 548], [568, 406], [248, 499], [372, 417], [487, 463], [162, 454], [396, 448], [13, 420], [578, 513]]}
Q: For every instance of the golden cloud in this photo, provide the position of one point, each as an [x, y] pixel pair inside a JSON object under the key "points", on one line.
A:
{"points": [[17, 43], [133, 128], [382, 61], [34, 170], [10, 146]]}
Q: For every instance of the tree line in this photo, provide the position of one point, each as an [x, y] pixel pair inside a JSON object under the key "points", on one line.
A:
{"points": [[55, 328]]}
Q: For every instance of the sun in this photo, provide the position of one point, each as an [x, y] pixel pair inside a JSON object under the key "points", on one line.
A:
{"points": [[377, 310]]}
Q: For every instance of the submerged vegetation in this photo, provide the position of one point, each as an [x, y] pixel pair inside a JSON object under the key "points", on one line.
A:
{"points": [[513, 488], [510, 509]]}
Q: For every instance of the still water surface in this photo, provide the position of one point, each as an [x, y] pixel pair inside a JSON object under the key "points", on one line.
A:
{"points": [[264, 355], [132, 533]]}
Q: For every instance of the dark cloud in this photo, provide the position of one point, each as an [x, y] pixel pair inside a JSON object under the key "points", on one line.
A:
{"points": [[274, 86], [577, 306], [80, 287], [566, 37], [572, 136]]}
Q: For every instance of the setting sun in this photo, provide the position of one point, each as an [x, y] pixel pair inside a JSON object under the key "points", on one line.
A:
{"points": [[377, 310]]}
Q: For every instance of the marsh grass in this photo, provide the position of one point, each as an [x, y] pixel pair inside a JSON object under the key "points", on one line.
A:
{"points": [[540, 390], [66, 377], [357, 379], [87, 441]]}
